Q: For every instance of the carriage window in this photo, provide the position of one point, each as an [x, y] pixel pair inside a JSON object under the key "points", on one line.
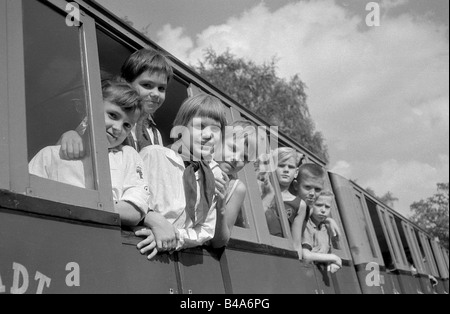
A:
{"points": [[56, 98], [413, 254], [363, 220], [111, 63], [177, 92], [383, 236], [398, 241], [390, 240], [269, 188], [429, 258], [445, 255]]}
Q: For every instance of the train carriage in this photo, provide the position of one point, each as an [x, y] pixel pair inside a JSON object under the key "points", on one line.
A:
{"points": [[56, 238]]}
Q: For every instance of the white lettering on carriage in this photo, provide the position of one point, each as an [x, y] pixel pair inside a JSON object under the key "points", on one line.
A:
{"points": [[20, 272], [43, 281], [21, 279]]}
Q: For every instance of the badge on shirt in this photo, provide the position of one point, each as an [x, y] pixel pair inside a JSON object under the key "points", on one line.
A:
{"points": [[139, 171]]}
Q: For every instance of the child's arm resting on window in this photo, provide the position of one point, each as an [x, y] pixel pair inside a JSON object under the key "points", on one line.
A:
{"points": [[72, 145], [147, 246], [166, 235], [334, 227], [320, 257], [200, 233], [130, 215]]}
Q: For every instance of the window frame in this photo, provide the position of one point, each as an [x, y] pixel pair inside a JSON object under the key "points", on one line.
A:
{"points": [[4, 112], [249, 234], [428, 254], [21, 180], [443, 271], [393, 239], [344, 252], [445, 256], [373, 242], [254, 201], [414, 247]]}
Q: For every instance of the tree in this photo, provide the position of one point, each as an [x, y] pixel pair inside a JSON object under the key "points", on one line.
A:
{"points": [[279, 101], [432, 214]]}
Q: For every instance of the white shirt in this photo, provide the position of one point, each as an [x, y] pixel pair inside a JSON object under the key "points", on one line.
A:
{"points": [[128, 179], [165, 170]]}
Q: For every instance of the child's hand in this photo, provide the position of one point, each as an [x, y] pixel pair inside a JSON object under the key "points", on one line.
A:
{"points": [[337, 260], [264, 184], [166, 235], [333, 268], [147, 246], [222, 185], [334, 228], [72, 146]]}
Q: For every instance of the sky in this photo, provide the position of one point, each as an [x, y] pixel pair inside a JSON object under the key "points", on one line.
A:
{"points": [[378, 93]]}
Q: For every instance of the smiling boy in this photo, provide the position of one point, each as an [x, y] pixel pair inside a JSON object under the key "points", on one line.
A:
{"points": [[122, 108]]}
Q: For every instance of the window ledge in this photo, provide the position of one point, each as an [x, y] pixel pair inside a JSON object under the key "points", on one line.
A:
{"points": [[32, 205]]}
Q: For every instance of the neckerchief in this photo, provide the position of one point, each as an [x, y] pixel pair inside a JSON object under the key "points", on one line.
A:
{"points": [[206, 183], [143, 138]]}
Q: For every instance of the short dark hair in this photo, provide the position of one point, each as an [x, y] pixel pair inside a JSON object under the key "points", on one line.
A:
{"points": [[146, 60], [122, 95], [310, 170]]}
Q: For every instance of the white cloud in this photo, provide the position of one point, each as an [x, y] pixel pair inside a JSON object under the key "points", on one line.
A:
{"points": [[175, 38], [379, 95], [342, 168], [409, 182], [390, 4]]}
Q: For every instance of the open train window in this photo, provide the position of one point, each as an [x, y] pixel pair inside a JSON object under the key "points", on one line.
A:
{"points": [[56, 94], [112, 53], [388, 237], [397, 241], [363, 218], [57, 90], [269, 188], [441, 265], [428, 254], [383, 236], [340, 247], [445, 255], [245, 227], [414, 256], [111, 64], [256, 203]]}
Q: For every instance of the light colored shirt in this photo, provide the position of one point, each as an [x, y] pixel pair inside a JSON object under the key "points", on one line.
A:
{"points": [[316, 238], [165, 169], [128, 180]]}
